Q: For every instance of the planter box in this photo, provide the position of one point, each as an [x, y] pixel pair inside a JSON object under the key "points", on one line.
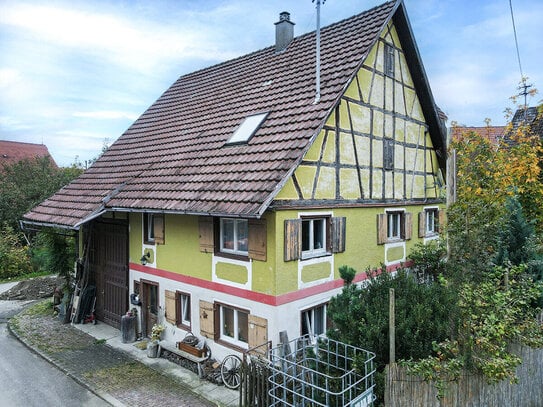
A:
{"points": [[190, 349]]}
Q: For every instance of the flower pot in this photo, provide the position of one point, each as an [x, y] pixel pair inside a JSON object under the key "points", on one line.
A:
{"points": [[152, 349]]}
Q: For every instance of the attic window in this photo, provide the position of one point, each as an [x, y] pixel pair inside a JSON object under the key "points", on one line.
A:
{"points": [[389, 60], [247, 129]]}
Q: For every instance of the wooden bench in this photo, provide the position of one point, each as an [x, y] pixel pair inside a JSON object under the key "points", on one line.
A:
{"points": [[171, 347]]}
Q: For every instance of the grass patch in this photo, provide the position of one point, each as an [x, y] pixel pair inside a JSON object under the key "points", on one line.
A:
{"points": [[40, 309]]}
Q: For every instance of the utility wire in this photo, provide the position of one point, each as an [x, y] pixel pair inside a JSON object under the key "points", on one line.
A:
{"points": [[516, 40]]}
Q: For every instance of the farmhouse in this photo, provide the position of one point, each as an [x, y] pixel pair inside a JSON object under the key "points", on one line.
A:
{"points": [[228, 206]]}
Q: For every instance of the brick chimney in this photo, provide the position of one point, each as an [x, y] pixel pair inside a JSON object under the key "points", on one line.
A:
{"points": [[284, 31]]}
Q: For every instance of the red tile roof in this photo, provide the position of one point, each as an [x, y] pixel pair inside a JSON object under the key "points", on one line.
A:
{"points": [[14, 151], [174, 157], [492, 133]]}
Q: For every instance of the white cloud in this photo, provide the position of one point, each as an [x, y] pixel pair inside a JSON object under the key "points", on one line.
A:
{"points": [[9, 77]]}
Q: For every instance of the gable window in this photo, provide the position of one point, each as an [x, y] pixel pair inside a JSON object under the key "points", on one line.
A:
{"points": [[234, 325], [153, 228], [234, 236], [314, 237], [388, 154], [429, 222], [309, 237], [314, 321], [247, 129], [183, 310], [394, 226], [389, 60]]}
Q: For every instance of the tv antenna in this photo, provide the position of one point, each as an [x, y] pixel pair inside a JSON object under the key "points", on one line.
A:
{"points": [[318, 52]]}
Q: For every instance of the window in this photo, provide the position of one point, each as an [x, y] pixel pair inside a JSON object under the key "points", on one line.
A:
{"points": [[393, 226], [313, 237], [389, 60], [388, 154], [234, 325], [247, 129], [153, 228], [429, 221], [234, 236], [183, 309], [314, 321]]}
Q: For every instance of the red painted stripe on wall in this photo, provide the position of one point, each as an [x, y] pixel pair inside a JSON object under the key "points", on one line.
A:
{"points": [[248, 294]]}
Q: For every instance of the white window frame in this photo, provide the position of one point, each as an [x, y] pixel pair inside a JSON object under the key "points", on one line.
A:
{"points": [[150, 237], [235, 250], [233, 339], [394, 225], [432, 219], [184, 310], [313, 251], [309, 316]]}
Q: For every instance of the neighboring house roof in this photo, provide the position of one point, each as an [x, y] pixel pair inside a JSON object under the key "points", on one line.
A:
{"points": [[175, 157], [492, 133], [12, 152], [532, 117]]}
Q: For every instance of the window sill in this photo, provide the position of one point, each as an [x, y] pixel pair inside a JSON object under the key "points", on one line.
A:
{"points": [[315, 255], [235, 346], [232, 256]]}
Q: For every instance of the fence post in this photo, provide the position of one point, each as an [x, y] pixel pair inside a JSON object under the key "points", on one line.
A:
{"points": [[391, 327]]}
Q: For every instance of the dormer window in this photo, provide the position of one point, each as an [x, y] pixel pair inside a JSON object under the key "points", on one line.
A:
{"points": [[247, 129]]}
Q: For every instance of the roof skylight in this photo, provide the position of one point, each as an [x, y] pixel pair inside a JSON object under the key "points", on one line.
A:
{"points": [[247, 128]]}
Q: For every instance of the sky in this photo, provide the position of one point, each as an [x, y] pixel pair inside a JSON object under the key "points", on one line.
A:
{"points": [[75, 74]]}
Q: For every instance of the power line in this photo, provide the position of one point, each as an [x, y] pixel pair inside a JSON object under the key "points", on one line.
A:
{"points": [[523, 88]]}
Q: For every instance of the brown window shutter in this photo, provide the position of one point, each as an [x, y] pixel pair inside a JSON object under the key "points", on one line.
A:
{"points": [[381, 228], [158, 228], [338, 234], [293, 239], [441, 221], [407, 226], [207, 319], [170, 311], [205, 226], [422, 224], [257, 239], [258, 332]]}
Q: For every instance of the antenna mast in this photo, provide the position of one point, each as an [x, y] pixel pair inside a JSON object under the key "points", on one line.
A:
{"points": [[318, 52]]}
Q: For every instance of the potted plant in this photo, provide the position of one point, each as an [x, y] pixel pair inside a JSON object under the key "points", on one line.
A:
{"points": [[152, 346]]}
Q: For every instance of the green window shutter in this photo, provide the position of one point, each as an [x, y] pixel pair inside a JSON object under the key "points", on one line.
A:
{"points": [[338, 234], [293, 239]]}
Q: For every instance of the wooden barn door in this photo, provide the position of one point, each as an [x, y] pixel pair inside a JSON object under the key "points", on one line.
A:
{"points": [[109, 269]]}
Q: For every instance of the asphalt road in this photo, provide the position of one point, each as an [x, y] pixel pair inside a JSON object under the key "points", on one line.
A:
{"points": [[27, 380]]}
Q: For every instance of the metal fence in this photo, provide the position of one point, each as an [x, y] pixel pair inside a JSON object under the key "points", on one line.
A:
{"points": [[320, 372]]}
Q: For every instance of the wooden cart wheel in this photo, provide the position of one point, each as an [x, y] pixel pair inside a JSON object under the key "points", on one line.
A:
{"points": [[231, 371]]}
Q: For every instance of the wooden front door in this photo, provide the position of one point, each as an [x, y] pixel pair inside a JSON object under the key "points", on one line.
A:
{"points": [[149, 306], [108, 261]]}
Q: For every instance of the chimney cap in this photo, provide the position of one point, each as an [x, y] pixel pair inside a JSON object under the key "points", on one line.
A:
{"points": [[284, 16]]}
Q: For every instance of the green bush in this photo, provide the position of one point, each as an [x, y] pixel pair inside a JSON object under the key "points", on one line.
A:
{"points": [[14, 257], [424, 313]]}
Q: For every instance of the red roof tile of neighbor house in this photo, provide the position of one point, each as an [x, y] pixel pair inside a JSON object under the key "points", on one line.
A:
{"points": [[492, 133], [12, 152], [175, 157]]}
